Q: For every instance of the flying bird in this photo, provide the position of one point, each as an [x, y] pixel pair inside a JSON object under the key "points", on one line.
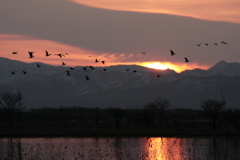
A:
{"points": [[127, 69], [60, 55], [85, 69], [96, 61], [68, 73], [12, 72], [47, 54], [91, 67], [186, 59], [143, 52], [172, 53], [71, 68], [24, 72], [103, 62], [38, 65], [14, 52], [31, 54], [87, 78], [134, 71], [215, 44], [63, 63], [199, 44], [158, 75], [206, 44], [104, 69], [223, 42]]}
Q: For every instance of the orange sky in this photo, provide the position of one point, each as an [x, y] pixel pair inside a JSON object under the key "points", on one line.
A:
{"points": [[220, 10], [59, 34], [76, 56]]}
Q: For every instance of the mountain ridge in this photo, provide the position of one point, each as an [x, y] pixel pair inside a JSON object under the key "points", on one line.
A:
{"points": [[50, 86]]}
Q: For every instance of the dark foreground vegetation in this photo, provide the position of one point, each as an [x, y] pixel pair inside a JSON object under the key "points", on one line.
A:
{"points": [[155, 119]]}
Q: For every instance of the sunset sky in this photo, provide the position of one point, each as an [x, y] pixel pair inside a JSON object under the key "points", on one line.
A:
{"points": [[119, 31]]}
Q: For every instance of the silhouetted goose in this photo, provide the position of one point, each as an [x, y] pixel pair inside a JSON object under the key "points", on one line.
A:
{"points": [[215, 44], [104, 69], [199, 44], [158, 75], [68, 73], [63, 63], [91, 67], [12, 72], [87, 78], [223, 42], [14, 52], [172, 53], [103, 62], [38, 65], [186, 60], [96, 61], [24, 72], [85, 69], [134, 71], [143, 52], [47, 54], [30, 54], [60, 55], [71, 68], [127, 69], [206, 44]]}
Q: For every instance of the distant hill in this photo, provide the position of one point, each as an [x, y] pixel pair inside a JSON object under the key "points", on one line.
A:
{"points": [[119, 86]]}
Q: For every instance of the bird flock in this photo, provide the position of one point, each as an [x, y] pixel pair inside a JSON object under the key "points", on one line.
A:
{"points": [[86, 68]]}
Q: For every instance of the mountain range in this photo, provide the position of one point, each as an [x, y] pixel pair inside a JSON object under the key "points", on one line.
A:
{"points": [[123, 86]]}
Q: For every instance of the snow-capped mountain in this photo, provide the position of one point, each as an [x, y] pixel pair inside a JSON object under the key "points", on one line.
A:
{"points": [[119, 86]]}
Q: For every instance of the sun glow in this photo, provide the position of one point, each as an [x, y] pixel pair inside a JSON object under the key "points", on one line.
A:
{"points": [[161, 66], [177, 67]]}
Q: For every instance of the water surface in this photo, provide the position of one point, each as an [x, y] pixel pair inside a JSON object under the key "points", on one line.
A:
{"points": [[120, 148]]}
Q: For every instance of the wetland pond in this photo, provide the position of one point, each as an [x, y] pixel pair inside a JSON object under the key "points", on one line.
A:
{"points": [[151, 148]]}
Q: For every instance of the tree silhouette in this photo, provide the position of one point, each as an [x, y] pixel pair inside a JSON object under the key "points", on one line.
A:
{"points": [[213, 110], [162, 105], [149, 114], [11, 103]]}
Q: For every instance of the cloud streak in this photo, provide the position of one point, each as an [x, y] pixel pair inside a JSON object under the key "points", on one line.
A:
{"points": [[221, 10]]}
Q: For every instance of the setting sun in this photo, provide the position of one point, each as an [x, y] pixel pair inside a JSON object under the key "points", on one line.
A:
{"points": [[178, 67]]}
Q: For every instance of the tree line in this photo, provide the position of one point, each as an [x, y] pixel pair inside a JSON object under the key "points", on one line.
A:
{"points": [[157, 116]]}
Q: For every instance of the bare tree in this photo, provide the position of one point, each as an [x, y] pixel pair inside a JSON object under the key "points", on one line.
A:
{"points": [[11, 103], [213, 110], [162, 105]]}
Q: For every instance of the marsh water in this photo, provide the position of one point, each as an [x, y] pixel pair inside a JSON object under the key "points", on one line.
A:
{"points": [[155, 148]]}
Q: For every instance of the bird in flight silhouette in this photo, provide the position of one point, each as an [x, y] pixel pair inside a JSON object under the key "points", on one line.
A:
{"points": [[143, 52], [96, 61], [186, 59], [158, 75], [12, 72], [24, 72], [68, 73], [172, 53], [60, 55], [85, 69], [71, 68], [47, 54], [38, 65], [14, 52], [63, 63], [103, 62], [87, 78], [199, 44], [30, 54], [91, 67]]}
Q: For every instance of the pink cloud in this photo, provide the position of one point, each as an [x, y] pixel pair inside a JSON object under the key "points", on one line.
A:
{"points": [[220, 10]]}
